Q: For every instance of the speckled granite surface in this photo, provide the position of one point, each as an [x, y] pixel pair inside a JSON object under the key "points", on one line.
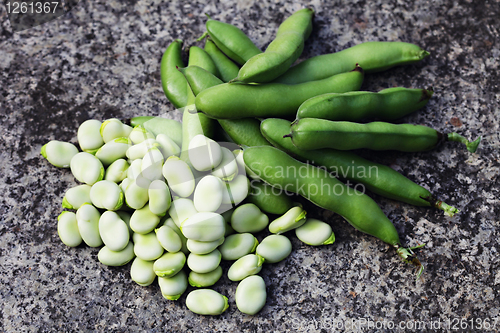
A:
{"points": [[102, 60]]}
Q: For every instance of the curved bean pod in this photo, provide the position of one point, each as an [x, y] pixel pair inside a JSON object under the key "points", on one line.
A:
{"points": [[357, 208], [174, 85], [371, 56], [282, 52], [228, 70]]}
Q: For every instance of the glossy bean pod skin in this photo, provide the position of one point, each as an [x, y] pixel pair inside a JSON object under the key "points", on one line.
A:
{"points": [[386, 105], [228, 70], [357, 208], [231, 40], [378, 178], [268, 199], [311, 133], [244, 131], [239, 100], [174, 84], [371, 56], [282, 51]]}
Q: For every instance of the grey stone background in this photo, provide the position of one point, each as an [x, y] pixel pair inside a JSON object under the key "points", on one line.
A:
{"points": [[101, 60]]}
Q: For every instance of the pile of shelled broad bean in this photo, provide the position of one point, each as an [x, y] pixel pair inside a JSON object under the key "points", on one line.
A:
{"points": [[171, 199]]}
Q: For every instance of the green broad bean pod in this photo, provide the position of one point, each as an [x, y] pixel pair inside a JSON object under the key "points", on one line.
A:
{"points": [[231, 41], [371, 56], [311, 133], [387, 105], [282, 52], [357, 208], [268, 199], [378, 178], [243, 131], [174, 85], [228, 70], [272, 99]]}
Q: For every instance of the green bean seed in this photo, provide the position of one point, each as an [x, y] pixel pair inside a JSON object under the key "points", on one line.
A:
{"points": [[114, 231], [251, 294], [59, 153], [76, 196], [315, 232], [168, 238], [87, 217], [282, 52], [67, 228], [238, 245], [137, 193], [248, 218], [147, 247], [208, 194], [89, 136], [152, 164], [116, 258], [179, 176], [159, 197], [205, 227], [232, 41], [204, 153], [141, 272], [206, 302], [113, 128], [87, 168], [168, 146], [181, 209], [293, 218], [169, 264], [388, 104], [143, 220], [227, 69], [270, 100], [170, 223], [106, 194], [174, 85], [250, 264], [311, 133], [201, 280], [113, 150], [204, 263], [371, 56], [228, 168], [274, 248], [269, 199], [139, 134], [173, 287], [117, 171], [138, 151], [198, 247], [125, 216], [236, 190]]}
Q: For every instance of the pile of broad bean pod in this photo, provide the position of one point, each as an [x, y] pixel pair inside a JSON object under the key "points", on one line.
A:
{"points": [[165, 195]]}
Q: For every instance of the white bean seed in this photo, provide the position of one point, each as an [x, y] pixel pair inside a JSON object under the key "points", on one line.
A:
{"points": [[179, 176], [141, 271], [168, 238], [204, 153], [208, 194], [173, 287], [87, 168], [167, 146], [274, 248], [116, 258], [236, 190], [159, 197], [169, 264], [198, 247], [113, 150], [87, 217], [106, 194], [238, 245], [206, 302], [76, 196], [315, 232], [147, 246], [117, 171], [251, 295], [228, 168], [248, 218], [114, 231], [143, 221], [250, 264], [89, 136], [205, 227], [201, 280], [293, 218], [59, 153], [67, 228], [113, 128]]}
